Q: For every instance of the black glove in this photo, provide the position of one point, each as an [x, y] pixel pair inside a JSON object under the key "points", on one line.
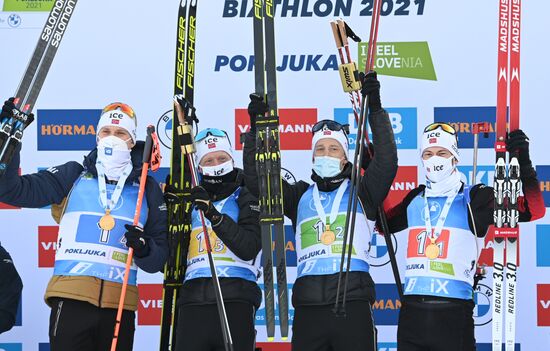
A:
{"points": [[135, 240], [370, 86], [7, 109], [202, 202], [367, 153], [7, 112], [518, 143], [256, 107], [171, 193]]}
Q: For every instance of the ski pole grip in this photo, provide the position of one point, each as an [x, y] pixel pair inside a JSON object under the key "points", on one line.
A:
{"points": [[349, 77], [148, 149], [336, 33]]}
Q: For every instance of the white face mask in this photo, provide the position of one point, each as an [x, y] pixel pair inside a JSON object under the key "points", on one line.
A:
{"points": [[326, 166], [114, 154], [438, 168], [217, 171]]}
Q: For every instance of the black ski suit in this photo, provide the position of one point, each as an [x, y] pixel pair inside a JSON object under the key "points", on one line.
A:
{"points": [[315, 326], [10, 291], [198, 327]]}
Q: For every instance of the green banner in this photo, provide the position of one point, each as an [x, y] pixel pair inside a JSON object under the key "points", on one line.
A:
{"points": [[400, 59], [442, 267], [119, 256], [28, 5]]}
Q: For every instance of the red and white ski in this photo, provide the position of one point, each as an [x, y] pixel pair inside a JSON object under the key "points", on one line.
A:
{"points": [[507, 183]]}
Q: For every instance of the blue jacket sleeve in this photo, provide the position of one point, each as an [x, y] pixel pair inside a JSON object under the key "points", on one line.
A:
{"points": [[156, 229], [38, 189]]}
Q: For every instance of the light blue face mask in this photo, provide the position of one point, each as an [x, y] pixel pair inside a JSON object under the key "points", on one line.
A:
{"points": [[326, 166]]}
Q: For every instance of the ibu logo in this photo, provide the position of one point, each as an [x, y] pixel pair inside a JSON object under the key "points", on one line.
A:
{"points": [[109, 151], [403, 121]]}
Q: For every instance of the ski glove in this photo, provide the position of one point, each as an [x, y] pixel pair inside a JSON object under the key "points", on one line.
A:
{"points": [[518, 142], [368, 153], [7, 112], [256, 107], [202, 202], [135, 240], [370, 86], [172, 195], [7, 109]]}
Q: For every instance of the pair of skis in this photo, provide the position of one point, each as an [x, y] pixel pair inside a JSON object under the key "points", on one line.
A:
{"points": [[11, 128], [178, 204], [183, 176], [268, 166], [507, 183]]}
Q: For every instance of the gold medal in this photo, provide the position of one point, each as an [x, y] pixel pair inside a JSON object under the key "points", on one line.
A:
{"points": [[432, 250], [107, 222], [328, 236]]}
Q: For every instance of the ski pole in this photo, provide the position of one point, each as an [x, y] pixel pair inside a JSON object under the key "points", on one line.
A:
{"points": [[151, 156], [187, 143], [362, 137]]}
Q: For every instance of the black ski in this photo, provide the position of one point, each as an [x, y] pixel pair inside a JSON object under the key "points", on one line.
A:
{"points": [[11, 129], [268, 165], [179, 209]]}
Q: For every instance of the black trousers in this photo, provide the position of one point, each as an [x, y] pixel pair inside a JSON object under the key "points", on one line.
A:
{"points": [[199, 327], [317, 328], [79, 325], [436, 327]]}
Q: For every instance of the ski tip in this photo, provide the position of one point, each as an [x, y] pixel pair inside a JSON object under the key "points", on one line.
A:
{"points": [[270, 338]]}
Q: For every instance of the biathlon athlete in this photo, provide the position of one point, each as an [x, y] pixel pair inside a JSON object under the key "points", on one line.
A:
{"points": [[318, 215], [447, 221], [232, 219], [96, 205]]}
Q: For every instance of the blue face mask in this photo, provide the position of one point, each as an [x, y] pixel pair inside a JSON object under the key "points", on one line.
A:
{"points": [[326, 166]]}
